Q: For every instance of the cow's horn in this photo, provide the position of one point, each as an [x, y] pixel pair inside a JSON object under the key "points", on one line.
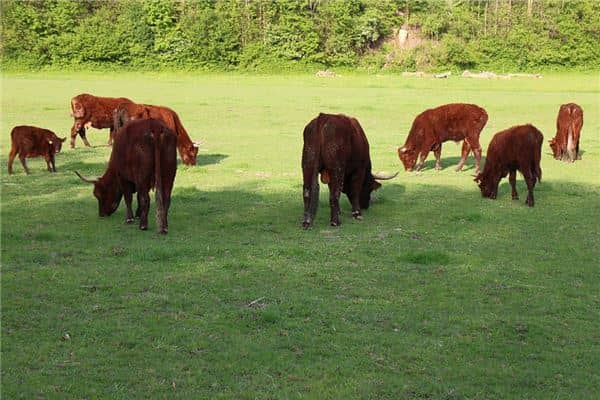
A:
{"points": [[197, 144], [86, 179], [385, 177], [402, 149]]}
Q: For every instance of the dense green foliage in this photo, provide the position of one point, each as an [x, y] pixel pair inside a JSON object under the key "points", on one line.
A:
{"points": [[267, 34], [436, 294]]}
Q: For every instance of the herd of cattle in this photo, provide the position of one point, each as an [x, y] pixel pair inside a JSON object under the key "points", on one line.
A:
{"points": [[145, 140]]}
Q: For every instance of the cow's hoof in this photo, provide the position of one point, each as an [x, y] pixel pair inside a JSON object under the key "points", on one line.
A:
{"points": [[515, 197], [143, 227], [306, 225], [129, 221], [163, 231], [334, 223], [356, 215]]}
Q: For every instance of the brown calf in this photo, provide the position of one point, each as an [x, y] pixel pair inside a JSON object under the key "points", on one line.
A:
{"points": [[568, 131], [432, 127], [31, 141], [517, 148], [144, 156]]}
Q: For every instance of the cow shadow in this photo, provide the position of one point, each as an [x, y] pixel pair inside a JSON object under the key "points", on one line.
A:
{"points": [[452, 163], [208, 159]]}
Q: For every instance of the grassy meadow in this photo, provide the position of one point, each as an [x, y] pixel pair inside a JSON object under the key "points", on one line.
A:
{"points": [[436, 294]]}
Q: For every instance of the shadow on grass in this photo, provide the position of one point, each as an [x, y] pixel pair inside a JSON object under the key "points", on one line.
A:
{"points": [[452, 163]]}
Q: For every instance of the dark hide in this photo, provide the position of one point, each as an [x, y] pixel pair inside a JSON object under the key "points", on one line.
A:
{"points": [[188, 150], [97, 112], [336, 147], [437, 125], [144, 156], [30, 141], [517, 148], [565, 145]]}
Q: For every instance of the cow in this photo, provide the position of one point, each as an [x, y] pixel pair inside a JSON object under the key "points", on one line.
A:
{"points": [[568, 130], [31, 141], [144, 156], [432, 127], [97, 112], [336, 147], [516, 148], [188, 150]]}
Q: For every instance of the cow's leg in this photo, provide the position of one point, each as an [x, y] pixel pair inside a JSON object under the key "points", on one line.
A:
{"points": [[422, 158], [310, 187], [464, 153], [162, 207], [530, 181], [111, 135], [11, 159], [128, 196], [512, 178], [336, 182], [356, 187], [437, 152], [82, 133], [144, 205], [74, 133], [50, 162], [24, 163]]}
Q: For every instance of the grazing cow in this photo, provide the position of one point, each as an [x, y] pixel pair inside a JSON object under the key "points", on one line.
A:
{"points": [[143, 156], [568, 131], [517, 148], [31, 141], [188, 150], [94, 111], [434, 126], [336, 147]]}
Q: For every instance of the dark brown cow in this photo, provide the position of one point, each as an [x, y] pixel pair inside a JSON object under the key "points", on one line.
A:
{"points": [[31, 141], [517, 148], [144, 156], [336, 147], [568, 131], [94, 111], [432, 127], [188, 150]]}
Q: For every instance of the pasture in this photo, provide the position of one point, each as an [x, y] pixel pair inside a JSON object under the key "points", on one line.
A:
{"points": [[436, 294]]}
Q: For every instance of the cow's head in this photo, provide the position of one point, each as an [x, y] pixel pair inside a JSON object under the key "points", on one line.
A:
{"points": [[555, 148], [108, 194], [488, 185], [408, 156], [369, 185], [56, 144], [189, 153]]}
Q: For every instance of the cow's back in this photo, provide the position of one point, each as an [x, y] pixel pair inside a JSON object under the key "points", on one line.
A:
{"points": [[96, 109], [134, 149], [515, 145]]}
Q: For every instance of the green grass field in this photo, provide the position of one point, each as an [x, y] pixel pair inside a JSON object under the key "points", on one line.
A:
{"points": [[436, 294]]}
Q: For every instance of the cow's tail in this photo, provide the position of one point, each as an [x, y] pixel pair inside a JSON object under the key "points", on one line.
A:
{"points": [[310, 172]]}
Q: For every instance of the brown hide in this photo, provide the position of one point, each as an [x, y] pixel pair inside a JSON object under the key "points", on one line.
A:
{"points": [[336, 147], [31, 141], [568, 131], [143, 156], [188, 150], [89, 110], [517, 148], [432, 127]]}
